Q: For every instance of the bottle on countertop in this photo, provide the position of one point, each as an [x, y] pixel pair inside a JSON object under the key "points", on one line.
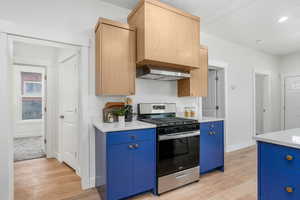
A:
{"points": [[129, 110]]}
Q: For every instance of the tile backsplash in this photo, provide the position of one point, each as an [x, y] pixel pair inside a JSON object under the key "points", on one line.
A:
{"points": [[151, 91]]}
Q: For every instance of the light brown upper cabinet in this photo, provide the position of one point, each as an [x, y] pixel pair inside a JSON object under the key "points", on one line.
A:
{"points": [[115, 58], [166, 36], [198, 83]]}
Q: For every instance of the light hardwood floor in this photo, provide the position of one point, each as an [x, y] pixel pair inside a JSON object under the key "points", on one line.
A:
{"points": [[44, 179]]}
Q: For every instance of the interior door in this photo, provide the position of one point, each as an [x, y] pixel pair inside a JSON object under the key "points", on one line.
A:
{"points": [[68, 87], [210, 102], [259, 103], [292, 99]]}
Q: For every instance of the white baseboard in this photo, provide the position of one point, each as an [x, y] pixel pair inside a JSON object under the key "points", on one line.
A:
{"points": [[236, 147], [22, 135], [85, 184]]}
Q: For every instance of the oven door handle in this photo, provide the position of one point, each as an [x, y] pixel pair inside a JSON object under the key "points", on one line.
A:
{"points": [[178, 135]]}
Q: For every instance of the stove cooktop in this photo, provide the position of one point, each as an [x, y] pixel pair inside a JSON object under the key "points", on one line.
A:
{"points": [[169, 121]]}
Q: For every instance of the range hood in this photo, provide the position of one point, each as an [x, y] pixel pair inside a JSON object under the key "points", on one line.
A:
{"points": [[155, 73]]}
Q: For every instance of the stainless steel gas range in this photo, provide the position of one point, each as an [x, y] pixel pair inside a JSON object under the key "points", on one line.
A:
{"points": [[177, 145]]}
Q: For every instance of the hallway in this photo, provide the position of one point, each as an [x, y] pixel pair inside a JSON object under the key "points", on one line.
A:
{"points": [[45, 179]]}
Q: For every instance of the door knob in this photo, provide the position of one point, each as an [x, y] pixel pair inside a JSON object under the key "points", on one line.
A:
{"points": [[62, 116]]}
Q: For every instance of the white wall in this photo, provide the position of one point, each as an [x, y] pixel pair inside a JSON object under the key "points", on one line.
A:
{"points": [[67, 21], [56, 20], [290, 64], [242, 62]]}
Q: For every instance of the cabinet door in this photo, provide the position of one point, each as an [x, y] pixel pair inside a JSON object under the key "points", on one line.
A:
{"points": [[211, 146], [197, 85], [277, 173], [171, 37], [119, 171], [144, 166], [117, 61]]}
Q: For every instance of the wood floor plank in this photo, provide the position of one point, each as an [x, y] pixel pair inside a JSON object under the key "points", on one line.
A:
{"points": [[47, 179]]}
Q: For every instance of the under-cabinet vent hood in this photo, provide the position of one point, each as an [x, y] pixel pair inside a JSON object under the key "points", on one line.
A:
{"points": [[155, 73]]}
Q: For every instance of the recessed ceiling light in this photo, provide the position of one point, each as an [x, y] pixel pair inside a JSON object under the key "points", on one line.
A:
{"points": [[283, 19]]}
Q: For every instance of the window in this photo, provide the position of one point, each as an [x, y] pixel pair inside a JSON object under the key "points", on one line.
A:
{"points": [[31, 108], [31, 96], [32, 88]]}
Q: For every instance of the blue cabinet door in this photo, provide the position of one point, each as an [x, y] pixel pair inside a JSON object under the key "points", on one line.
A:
{"points": [[131, 163], [144, 166], [278, 176], [119, 171], [211, 146]]}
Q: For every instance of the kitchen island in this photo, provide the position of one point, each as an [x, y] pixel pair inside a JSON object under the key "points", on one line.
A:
{"points": [[279, 165]]}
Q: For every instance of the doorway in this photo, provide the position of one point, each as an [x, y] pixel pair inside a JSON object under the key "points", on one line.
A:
{"points": [[45, 81], [262, 102], [29, 103], [291, 102], [214, 104]]}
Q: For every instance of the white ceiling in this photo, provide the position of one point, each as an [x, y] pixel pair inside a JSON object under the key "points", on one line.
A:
{"points": [[244, 21]]}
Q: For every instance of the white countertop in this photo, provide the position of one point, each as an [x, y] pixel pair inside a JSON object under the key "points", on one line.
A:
{"points": [[203, 119], [113, 127], [290, 138], [210, 119]]}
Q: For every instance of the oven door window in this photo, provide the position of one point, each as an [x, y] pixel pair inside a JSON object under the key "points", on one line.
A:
{"points": [[177, 155]]}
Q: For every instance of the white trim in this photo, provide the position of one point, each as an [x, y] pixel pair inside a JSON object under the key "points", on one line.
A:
{"points": [[268, 118], [29, 40], [83, 107], [68, 38], [6, 123], [223, 65], [84, 119], [282, 106]]}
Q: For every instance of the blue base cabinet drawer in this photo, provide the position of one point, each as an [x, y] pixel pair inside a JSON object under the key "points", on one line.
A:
{"points": [[278, 172], [211, 146], [130, 136], [127, 160]]}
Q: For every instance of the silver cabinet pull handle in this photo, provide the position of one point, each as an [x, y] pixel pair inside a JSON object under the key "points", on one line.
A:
{"points": [[130, 146], [136, 146]]}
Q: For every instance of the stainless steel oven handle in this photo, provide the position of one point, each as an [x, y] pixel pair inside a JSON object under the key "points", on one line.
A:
{"points": [[178, 135]]}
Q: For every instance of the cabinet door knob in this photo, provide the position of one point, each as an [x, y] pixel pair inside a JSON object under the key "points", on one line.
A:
{"points": [[289, 157], [289, 189], [136, 146], [130, 146]]}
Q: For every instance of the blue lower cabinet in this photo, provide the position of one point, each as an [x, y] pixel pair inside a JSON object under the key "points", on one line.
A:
{"points": [[131, 163], [278, 172], [119, 171], [211, 146], [144, 167]]}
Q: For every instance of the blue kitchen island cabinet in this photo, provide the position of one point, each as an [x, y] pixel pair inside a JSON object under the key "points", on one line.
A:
{"points": [[126, 162], [211, 146], [279, 165]]}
